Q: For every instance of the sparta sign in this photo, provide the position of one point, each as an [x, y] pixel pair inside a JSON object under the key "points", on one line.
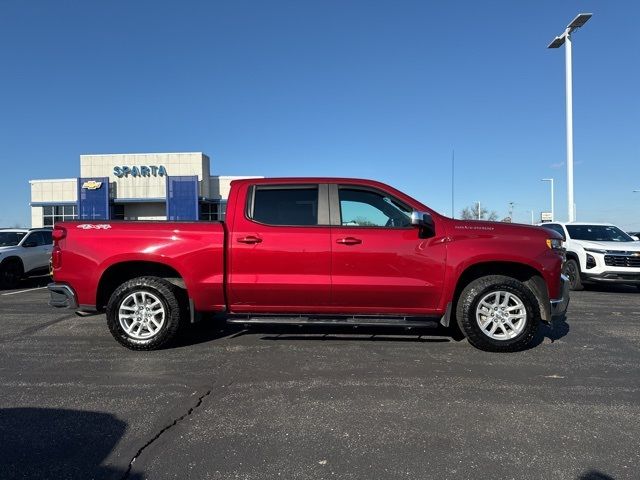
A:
{"points": [[142, 171]]}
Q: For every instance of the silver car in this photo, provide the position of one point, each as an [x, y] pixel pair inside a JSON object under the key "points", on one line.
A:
{"points": [[23, 252]]}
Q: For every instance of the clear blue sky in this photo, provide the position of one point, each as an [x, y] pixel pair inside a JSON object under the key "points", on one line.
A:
{"points": [[380, 89]]}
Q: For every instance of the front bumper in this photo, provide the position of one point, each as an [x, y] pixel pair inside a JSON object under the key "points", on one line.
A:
{"points": [[559, 306], [612, 277], [62, 296]]}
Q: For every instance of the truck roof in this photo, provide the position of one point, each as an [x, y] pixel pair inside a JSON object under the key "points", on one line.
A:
{"points": [[359, 181], [363, 181]]}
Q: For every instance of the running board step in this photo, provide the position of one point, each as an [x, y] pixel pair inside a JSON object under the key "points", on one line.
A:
{"points": [[402, 322]]}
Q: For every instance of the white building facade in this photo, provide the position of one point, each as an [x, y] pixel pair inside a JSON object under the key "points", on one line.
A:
{"points": [[148, 186]]}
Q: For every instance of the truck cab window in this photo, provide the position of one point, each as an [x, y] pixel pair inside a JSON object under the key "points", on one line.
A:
{"points": [[297, 206], [366, 208]]}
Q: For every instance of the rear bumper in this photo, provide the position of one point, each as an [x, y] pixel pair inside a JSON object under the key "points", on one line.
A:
{"points": [[559, 306], [62, 296]]}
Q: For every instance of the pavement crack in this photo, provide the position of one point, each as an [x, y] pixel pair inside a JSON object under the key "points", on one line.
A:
{"points": [[163, 430]]}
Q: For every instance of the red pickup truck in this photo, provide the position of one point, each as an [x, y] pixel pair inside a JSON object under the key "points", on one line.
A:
{"points": [[331, 251]]}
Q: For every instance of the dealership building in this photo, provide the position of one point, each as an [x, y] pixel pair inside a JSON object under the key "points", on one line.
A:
{"points": [[149, 186]]}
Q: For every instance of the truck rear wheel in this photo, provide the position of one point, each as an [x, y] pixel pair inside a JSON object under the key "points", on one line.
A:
{"points": [[498, 314], [145, 313]]}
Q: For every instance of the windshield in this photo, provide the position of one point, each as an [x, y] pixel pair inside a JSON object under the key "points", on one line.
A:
{"points": [[598, 233], [10, 239]]}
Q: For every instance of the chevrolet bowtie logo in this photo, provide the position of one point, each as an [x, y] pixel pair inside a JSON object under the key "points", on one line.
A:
{"points": [[91, 185]]}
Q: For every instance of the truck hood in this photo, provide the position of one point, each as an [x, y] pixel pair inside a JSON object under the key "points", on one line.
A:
{"points": [[613, 246]]}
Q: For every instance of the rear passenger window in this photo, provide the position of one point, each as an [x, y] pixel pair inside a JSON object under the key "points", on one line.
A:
{"points": [[48, 238], [285, 205], [35, 238]]}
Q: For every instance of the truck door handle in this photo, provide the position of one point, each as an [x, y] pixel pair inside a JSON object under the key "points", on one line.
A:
{"points": [[250, 239], [349, 241]]}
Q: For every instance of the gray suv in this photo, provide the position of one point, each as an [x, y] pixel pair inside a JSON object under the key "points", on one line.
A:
{"points": [[23, 252]]}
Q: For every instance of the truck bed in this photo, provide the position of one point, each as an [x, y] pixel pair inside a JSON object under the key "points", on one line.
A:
{"points": [[93, 252]]}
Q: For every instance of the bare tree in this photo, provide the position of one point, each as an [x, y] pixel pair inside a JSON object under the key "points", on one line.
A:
{"points": [[471, 213]]}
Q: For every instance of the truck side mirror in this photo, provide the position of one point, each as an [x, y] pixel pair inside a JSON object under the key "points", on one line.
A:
{"points": [[424, 222], [421, 219]]}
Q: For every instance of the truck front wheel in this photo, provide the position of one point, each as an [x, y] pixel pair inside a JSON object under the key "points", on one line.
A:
{"points": [[145, 313], [498, 314]]}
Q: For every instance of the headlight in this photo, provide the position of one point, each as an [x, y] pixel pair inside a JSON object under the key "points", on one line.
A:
{"points": [[595, 250], [554, 244]]}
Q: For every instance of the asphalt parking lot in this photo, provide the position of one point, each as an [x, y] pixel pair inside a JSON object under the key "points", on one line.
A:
{"points": [[227, 403]]}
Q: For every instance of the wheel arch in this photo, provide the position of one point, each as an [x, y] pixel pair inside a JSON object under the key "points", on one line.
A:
{"points": [[530, 276], [573, 256], [121, 272], [13, 258]]}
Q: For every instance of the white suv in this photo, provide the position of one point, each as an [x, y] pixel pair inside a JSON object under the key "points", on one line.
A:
{"points": [[23, 252], [598, 252]]}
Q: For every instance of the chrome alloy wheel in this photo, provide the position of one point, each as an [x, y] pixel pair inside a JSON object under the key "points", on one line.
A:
{"points": [[141, 315], [501, 315]]}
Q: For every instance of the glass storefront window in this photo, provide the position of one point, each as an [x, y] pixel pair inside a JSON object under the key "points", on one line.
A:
{"points": [[51, 214]]}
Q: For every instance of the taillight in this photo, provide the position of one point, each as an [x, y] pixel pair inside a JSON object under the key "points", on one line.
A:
{"points": [[59, 233], [56, 257]]}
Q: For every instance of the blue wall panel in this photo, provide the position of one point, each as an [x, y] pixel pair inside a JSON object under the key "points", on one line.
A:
{"points": [[93, 198], [182, 198]]}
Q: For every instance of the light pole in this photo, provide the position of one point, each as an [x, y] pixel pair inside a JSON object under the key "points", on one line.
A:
{"points": [[557, 42], [550, 180], [478, 209]]}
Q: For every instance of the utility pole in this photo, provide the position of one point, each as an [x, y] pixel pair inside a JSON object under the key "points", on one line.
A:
{"points": [[550, 180], [453, 163], [565, 39]]}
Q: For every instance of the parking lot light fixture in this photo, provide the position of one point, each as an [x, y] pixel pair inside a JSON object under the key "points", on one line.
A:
{"points": [[550, 180], [565, 39]]}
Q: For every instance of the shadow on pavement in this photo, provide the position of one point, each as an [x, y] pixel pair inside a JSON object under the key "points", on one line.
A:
{"points": [[611, 288], [206, 331], [357, 334], [31, 282], [555, 331], [45, 443], [214, 329], [594, 475]]}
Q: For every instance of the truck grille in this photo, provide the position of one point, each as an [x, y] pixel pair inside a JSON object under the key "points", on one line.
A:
{"points": [[621, 261]]}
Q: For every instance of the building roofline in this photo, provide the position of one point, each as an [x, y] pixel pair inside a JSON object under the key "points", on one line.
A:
{"points": [[237, 176], [54, 180], [142, 153]]}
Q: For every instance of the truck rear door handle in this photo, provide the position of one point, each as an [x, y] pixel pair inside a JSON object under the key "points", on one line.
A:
{"points": [[250, 239], [349, 241]]}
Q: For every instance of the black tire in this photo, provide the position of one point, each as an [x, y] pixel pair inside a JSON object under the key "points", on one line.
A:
{"points": [[478, 289], [11, 272], [172, 300], [572, 270]]}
